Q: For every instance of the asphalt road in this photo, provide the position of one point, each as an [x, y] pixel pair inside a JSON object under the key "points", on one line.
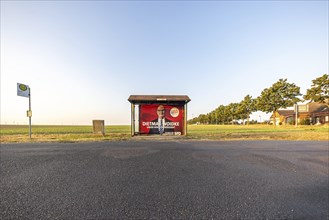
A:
{"points": [[165, 180]]}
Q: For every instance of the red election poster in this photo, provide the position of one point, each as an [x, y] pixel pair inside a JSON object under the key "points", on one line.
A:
{"points": [[161, 119]]}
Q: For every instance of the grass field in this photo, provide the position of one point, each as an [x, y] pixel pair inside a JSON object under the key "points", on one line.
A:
{"points": [[49, 133], [259, 132]]}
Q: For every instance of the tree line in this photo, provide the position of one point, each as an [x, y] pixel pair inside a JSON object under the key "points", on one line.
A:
{"points": [[281, 94]]}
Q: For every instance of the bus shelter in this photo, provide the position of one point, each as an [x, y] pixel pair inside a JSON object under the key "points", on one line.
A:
{"points": [[158, 114]]}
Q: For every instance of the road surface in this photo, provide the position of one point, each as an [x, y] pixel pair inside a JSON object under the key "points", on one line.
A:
{"points": [[165, 179]]}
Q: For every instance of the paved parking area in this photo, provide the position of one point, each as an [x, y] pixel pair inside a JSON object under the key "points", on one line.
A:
{"points": [[165, 179]]}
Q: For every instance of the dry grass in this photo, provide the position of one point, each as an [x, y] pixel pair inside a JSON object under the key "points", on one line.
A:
{"points": [[259, 132], [20, 138], [41, 133], [14, 133]]}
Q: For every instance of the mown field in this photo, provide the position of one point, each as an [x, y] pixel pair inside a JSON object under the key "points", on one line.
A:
{"points": [[62, 133], [52, 133], [260, 132]]}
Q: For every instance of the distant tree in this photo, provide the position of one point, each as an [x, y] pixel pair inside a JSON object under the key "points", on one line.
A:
{"points": [[227, 113], [221, 114], [213, 116], [203, 119], [209, 118], [193, 120], [246, 107], [319, 91], [232, 109], [280, 95]]}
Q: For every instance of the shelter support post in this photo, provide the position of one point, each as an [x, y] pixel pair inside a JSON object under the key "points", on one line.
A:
{"points": [[132, 119], [185, 119]]}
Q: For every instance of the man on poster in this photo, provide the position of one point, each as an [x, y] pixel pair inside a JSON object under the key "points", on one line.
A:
{"points": [[161, 121]]}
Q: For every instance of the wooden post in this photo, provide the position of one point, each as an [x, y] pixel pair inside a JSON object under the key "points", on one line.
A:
{"points": [[99, 127]]}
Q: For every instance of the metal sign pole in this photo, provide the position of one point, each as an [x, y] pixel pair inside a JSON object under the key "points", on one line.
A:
{"points": [[25, 91], [30, 116], [296, 115]]}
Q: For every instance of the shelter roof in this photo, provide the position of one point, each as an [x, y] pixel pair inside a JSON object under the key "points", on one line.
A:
{"points": [[158, 98]]}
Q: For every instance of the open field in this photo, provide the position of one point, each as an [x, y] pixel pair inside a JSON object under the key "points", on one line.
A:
{"points": [[54, 133], [259, 132], [62, 133]]}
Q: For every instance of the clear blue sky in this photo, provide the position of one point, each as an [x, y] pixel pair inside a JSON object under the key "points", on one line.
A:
{"points": [[82, 59]]}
